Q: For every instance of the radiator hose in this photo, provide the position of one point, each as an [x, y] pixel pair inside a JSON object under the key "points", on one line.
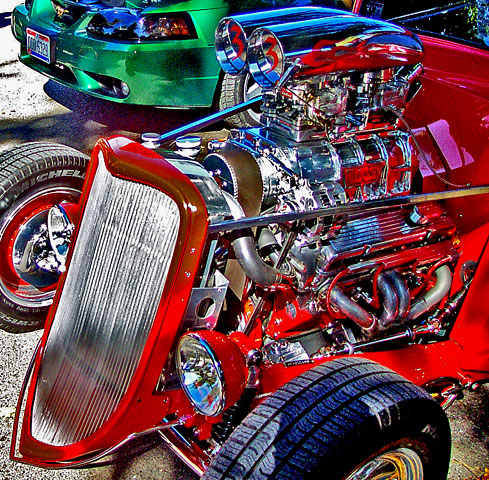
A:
{"points": [[249, 259]]}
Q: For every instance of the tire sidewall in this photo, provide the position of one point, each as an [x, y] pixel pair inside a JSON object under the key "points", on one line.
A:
{"points": [[330, 420], [41, 178], [238, 85], [251, 120]]}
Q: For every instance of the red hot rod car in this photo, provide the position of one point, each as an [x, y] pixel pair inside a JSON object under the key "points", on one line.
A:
{"points": [[299, 301]]}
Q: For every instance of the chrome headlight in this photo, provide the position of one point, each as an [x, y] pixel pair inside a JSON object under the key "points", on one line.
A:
{"points": [[211, 384], [128, 24]]}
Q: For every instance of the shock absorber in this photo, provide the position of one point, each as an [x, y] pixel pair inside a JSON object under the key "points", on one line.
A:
{"points": [[235, 414]]}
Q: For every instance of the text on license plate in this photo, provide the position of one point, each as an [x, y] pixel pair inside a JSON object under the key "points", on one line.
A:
{"points": [[38, 45]]}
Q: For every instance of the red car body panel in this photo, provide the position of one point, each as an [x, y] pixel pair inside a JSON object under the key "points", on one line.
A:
{"points": [[454, 104]]}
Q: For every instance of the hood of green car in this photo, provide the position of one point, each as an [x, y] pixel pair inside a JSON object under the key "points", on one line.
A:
{"points": [[194, 5], [183, 5]]}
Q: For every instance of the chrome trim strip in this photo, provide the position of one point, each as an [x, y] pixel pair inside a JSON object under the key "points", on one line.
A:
{"points": [[90, 461], [230, 225]]}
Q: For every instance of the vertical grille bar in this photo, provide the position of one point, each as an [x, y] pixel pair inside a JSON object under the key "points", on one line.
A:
{"points": [[110, 297]]}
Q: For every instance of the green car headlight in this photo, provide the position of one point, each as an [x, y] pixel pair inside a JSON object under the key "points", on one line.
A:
{"points": [[129, 24], [155, 27]]}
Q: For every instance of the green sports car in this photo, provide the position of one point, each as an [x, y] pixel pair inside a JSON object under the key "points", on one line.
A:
{"points": [[147, 52]]}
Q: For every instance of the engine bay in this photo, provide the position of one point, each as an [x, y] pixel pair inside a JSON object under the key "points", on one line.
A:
{"points": [[326, 283]]}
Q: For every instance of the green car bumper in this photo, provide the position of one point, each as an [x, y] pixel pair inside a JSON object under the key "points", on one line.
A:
{"points": [[171, 73]]}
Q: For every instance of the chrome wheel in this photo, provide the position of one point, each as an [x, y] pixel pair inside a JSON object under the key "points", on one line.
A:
{"points": [[29, 273], [399, 464]]}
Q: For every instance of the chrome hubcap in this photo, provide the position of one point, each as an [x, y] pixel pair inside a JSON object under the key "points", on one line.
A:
{"points": [[399, 464]]}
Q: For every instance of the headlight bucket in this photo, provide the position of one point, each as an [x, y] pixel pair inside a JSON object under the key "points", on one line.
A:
{"points": [[212, 371]]}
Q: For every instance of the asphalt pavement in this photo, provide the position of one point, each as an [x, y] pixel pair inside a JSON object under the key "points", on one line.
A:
{"points": [[33, 108]]}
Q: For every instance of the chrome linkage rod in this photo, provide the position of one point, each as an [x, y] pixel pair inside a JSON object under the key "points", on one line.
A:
{"points": [[230, 225], [209, 120]]}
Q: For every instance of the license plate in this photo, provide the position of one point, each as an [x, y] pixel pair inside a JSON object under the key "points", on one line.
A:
{"points": [[38, 45]]}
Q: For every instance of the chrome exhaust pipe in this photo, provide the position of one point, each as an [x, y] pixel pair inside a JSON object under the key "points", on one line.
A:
{"points": [[368, 321], [337, 43], [435, 295], [232, 32], [402, 293]]}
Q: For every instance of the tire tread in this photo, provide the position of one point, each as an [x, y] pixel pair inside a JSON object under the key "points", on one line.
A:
{"points": [[303, 421], [232, 94]]}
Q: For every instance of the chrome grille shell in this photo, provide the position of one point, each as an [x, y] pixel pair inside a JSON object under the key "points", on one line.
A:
{"points": [[107, 307]]}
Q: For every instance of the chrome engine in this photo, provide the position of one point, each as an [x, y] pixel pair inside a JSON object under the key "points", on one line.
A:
{"points": [[332, 137]]}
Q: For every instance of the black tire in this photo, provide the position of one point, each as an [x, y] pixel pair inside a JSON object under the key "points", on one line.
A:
{"points": [[334, 418], [33, 177], [235, 90]]}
